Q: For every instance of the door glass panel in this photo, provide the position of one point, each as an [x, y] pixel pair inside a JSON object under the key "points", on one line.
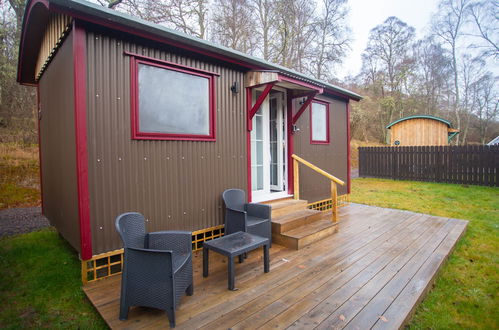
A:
{"points": [[257, 151], [274, 127]]}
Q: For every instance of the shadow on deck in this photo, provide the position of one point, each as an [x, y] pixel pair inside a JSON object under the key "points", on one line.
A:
{"points": [[372, 273]]}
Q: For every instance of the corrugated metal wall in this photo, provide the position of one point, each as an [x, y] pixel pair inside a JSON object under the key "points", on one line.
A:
{"points": [[57, 135], [175, 184], [332, 157]]}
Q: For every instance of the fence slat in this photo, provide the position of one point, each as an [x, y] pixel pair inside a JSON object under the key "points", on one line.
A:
{"points": [[477, 165]]}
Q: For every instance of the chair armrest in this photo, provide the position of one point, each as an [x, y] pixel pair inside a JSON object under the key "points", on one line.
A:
{"points": [[235, 220], [259, 210], [173, 240], [148, 261]]}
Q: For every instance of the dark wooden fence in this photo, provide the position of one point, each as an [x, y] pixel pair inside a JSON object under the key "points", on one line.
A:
{"points": [[476, 165]]}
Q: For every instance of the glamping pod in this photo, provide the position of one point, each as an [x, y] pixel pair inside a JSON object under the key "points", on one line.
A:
{"points": [[421, 130], [137, 117]]}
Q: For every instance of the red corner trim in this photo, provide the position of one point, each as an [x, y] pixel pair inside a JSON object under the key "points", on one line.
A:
{"points": [[248, 142], [327, 141], [80, 99], [304, 107], [349, 178], [38, 108], [258, 103]]}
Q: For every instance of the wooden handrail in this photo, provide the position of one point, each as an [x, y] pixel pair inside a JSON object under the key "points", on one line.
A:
{"points": [[334, 180], [318, 170]]}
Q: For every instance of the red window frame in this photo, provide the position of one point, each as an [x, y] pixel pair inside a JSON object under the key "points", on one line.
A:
{"points": [[312, 141], [134, 93]]}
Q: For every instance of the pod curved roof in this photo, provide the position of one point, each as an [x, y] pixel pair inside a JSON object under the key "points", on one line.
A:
{"points": [[446, 122]]}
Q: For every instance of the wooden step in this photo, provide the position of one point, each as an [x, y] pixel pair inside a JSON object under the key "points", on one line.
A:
{"points": [[304, 235], [287, 206], [295, 219]]}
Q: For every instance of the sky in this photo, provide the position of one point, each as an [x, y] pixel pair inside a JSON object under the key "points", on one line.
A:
{"points": [[366, 14]]}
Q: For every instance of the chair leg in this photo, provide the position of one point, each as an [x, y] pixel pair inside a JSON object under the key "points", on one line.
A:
{"points": [[171, 316], [123, 311], [190, 290]]}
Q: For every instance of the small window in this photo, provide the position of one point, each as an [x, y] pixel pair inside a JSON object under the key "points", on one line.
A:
{"points": [[171, 102], [319, 123]]}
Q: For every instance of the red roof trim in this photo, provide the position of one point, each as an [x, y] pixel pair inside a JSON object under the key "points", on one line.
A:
{"points": [[127, 29], [26, 19]]}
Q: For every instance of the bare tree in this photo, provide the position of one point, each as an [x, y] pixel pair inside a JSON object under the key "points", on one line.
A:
{"points": [[448, 24], [294, 33], [486, 103], [188, 16], [331, 40], [430, 73], [17, 103], [265, 25], [233, 25], [485, 17], [386, 62]]}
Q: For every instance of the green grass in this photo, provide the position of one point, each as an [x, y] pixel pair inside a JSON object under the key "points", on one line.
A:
{"points": [[40, 284], [466, 291]]}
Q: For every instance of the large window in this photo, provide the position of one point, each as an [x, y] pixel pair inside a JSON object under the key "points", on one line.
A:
{"points": [[319, 123], [171, 102]]}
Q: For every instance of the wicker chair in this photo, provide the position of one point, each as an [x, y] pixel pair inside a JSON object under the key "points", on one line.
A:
{"points": [[157, 268], [248, 217]]}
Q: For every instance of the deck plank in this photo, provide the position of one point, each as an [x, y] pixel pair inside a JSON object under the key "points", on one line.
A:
{"points": [[380, 262], [311, 278]]}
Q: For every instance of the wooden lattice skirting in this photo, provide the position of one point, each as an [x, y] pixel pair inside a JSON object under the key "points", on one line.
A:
{"points": [[326, 204], [110, 263]]}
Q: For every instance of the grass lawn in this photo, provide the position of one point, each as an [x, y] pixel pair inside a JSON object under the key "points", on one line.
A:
{"points": [[467, 288], [41, 284]]}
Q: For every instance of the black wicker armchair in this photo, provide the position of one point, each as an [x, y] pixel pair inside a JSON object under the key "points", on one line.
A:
{"points": [[157, 268], [248, 217]]}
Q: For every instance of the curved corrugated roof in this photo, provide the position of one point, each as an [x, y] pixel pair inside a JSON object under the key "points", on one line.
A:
{"points": [[101, 15], [420, 117]]}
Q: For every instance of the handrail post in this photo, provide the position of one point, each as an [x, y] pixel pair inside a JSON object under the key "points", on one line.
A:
{"points": [[296, 179], [334, 201]]}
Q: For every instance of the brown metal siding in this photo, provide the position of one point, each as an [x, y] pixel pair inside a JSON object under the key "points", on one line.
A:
{"points": [[175, 184], [57, 133], [332, 158]]}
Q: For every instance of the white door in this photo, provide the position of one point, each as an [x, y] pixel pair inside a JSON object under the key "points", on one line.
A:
{"points": [[268, 148]]}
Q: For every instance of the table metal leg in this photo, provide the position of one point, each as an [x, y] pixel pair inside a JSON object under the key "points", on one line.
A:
{"points": [[241, 259], [266, 261], [205, 261], [231, 273]]}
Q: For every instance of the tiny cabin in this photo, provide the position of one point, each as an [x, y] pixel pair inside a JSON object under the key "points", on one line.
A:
{"points": [[421, 130], [137, 117]]}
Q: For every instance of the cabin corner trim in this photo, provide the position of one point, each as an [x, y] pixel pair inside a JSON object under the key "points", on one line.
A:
{"points": [[80, 117]]}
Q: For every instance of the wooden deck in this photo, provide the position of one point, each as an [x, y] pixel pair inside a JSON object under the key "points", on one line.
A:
{"points": [[372, 273]]}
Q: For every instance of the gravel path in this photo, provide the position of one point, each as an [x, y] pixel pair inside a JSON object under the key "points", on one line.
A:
{"points": [[21, 220]]}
